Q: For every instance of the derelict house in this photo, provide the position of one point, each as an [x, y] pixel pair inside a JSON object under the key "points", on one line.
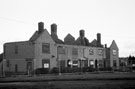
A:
{"points": [[44, 50]]}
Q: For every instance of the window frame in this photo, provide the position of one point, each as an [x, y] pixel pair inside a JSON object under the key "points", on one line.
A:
{"points": [[16, 49], [75, 51], [46, 48]]}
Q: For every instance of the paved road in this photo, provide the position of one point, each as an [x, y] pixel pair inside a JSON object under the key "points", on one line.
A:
{"points": [[75, 81], [91, 84]]}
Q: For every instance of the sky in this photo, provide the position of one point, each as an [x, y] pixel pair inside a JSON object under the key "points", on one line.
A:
{"points": [[114, 19]]}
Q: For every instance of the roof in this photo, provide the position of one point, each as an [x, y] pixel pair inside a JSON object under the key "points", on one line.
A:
{"points": [[94, 43], [16, 42], [56, 39], [82, 41], [69, 40], [69, 36], [34, 36], [114, 44]]}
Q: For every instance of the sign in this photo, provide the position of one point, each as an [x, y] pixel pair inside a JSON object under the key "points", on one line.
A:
{"points": [[46, 65], [91, 62], [70, 62], [114, 52], [91, 52], [100, 51]]}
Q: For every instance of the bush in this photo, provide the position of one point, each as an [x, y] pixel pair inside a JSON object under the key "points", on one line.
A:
{"points": [[65, 70], [90, 69], [54, 70], [42, 71], [106, 69]]}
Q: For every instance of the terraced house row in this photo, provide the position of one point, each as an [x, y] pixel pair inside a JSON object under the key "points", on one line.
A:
{"points": [[44, 50]]}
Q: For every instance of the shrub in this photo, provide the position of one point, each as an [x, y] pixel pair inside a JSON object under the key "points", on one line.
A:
{"points": [[42, 71], [54, 70]]}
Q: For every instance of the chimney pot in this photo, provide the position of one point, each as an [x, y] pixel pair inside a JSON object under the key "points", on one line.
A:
{"points": [[54, 29], [99, 38], [105, 45], [82, 33], [40, 27]]}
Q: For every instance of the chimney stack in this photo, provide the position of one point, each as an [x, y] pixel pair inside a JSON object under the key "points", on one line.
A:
{"points": [[105, 45], [82, 33], [54, 29], [99, 39], [40, 27]]}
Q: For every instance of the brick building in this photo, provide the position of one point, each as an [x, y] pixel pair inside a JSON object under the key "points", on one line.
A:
{"points": [[44, 50]]}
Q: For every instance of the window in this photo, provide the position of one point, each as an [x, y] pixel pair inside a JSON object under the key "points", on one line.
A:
{"points": [[101, 63], [114, 52], [62, 63], [45, 63], [100, 52], [75, 63], [29, 65], [114, 63], [16, 49], [61, 50], [91, 63], [74, 51], [91, 52], [45, 48]]}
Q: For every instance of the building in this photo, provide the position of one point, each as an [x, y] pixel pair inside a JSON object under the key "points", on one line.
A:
{"points": [[44, 50]]}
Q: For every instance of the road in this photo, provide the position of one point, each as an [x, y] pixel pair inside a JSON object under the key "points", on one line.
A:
{"points": [[71, 81], [90, 84]]}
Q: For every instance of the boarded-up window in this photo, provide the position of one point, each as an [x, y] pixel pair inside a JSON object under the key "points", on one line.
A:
{"points": [[100, 52], [114, 52], [62, 63], [45, 48], [101, 63], [74, 51], [91, 52], [61, 50]]}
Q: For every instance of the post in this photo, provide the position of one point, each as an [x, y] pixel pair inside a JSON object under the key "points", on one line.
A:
{"points": [[3, 71], [59, 64], [131, 66]]}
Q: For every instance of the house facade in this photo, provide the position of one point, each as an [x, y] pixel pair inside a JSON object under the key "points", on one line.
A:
{"points": [[44, 50]]}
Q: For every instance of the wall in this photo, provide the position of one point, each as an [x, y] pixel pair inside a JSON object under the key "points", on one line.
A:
{"points": [[114, 56], [83, 52], [39, 56], [21, 65], [25, 50]]}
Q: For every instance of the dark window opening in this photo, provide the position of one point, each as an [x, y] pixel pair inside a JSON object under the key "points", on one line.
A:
{"points": [[45, 48], [16, 49]]}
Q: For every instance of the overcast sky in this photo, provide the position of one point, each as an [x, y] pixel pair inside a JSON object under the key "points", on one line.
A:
{"points": [[114, 19]]}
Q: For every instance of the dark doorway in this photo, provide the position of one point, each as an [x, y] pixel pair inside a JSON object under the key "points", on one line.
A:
{"points": [[96, 64]]}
